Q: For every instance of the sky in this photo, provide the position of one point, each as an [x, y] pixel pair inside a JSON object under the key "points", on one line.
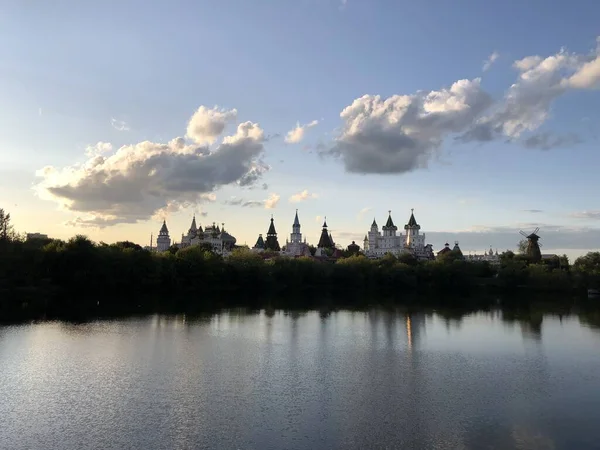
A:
{"points": [[481, 116]]}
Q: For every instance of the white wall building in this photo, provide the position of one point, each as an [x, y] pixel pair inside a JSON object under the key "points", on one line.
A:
{"points": [[163, 241], [489, 256], [221, 242], [377, 244], [295, 246]]}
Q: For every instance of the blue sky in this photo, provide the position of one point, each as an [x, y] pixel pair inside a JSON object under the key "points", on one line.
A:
{"points": [[79, 73]]}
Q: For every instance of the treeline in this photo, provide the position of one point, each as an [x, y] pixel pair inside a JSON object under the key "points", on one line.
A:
{"points": [[52, 277]]}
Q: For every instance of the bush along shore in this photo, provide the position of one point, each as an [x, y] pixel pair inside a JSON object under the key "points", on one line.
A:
{"points": [[52, 278]]}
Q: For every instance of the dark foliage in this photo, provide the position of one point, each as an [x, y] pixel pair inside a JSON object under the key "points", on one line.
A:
{"points": [[54, 278]]}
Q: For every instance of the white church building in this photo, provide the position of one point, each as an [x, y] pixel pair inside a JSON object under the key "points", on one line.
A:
{"points": [[163, 241], [295, 246], [217, 238], [377, 244], [221, 242]]}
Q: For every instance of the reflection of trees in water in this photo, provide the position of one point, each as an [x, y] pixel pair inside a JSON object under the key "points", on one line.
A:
{"points": [[397, 323], [529, 320], [453, 318], [590, 318]]}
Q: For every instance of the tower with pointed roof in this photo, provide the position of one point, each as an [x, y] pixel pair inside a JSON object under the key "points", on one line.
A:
{"points": [[389, 229], [163, 241], [295, 246], [325, 240], [296, 236], [260, 243], [412, 228], [272, 243], [193, 228], [456, 249]]}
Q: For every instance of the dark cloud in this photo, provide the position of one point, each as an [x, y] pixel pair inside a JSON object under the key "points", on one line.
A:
{"points": [[534, 211]]}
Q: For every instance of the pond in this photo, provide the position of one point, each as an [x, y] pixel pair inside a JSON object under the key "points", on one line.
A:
{"points": [[303, 380]]}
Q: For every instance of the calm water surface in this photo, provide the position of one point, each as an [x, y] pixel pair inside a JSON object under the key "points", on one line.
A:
{"points": [[354, 380]]}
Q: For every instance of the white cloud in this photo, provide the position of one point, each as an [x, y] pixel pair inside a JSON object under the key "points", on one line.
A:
{"points": [[272, 201], [318, 218], [98, 149], [491, 60], [206, 125], [140, 180], [301, 196], [119, 125], [297, 134], [362, 213], [402, 133], [268, 203], [587, 215], [588, 74]]}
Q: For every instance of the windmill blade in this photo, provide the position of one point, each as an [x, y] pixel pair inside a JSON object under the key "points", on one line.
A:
{"points": [[523, 233], [540, 244], [536, 230]]}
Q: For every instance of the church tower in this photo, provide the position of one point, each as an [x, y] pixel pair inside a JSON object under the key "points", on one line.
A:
{"points": [[325, 241], [296, 236], [389, 229], [271, 243], [163, 241], [412, 230]]}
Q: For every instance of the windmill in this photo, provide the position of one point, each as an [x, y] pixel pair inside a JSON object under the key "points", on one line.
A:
{"points": [[533, 246]]}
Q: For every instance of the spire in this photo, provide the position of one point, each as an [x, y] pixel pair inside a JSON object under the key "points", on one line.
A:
{"points": [[412, 221], [325, 239], [374, 224], [260, 243], [272, 228], [272, 243], [164, 229], [193, 226], [390, 222], [296, 221]]}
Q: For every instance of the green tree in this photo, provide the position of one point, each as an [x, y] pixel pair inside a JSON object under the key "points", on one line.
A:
{"points": [[522, 246], [564, 262], [590, 263], [7, 232]]}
